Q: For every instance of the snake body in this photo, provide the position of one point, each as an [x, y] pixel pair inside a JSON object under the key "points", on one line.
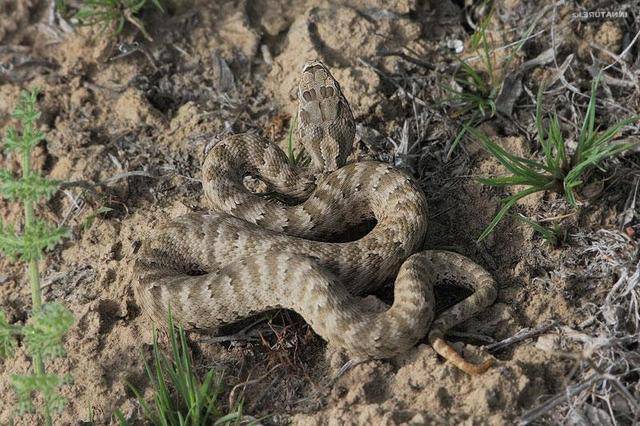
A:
{"points": [[253, 252]]}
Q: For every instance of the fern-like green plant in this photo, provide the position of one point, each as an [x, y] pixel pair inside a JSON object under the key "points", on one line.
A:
{"points": [[558, 170], [43, 333]]}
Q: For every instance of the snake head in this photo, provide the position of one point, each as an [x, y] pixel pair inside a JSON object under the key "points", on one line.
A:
{"points": [[326, 125]]}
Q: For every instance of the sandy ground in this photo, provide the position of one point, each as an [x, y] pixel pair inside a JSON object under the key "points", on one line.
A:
{"points": [[140, 124]]}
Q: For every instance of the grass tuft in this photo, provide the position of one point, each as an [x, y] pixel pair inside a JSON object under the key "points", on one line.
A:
{"points": [[558, 170], [180, 396], [475, 93], [554, 235]]}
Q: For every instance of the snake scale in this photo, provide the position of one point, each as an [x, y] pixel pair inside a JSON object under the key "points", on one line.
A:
{"points": [[253, 252]]}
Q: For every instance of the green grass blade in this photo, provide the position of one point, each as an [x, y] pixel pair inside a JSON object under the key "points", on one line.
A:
{"points": [[231, 417], [120, 418], [554, 149], [547, 234], [143, 404], [541, 133], [509, 202], [517, 165], [586, 133], [158, 5], [180, 397], [504, 180], [606, 135], [476, 78]]}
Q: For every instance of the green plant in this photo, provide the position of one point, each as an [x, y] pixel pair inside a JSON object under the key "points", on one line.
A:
{"points": [[61, 7], [559, 170], [477, 92], [295, 159], [180, 397], [115, 14], [88, 221], [43, 333], [554, 235]]}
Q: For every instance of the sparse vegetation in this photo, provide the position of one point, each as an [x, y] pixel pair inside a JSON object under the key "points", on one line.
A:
{"points": [[43, 333], [475, 93], [559, 170], [113, 15], [180, 396], [554, 235], [300, 158], [99, 212]]}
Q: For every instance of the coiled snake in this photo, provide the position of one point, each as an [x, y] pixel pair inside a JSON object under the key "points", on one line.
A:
{"points": [[253, 252]]}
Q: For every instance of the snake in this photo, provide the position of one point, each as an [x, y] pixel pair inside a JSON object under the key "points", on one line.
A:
{"points": [[292, 246]]}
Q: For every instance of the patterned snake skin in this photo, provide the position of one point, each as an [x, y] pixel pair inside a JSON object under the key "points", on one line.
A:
{"points": [[253, 252]]}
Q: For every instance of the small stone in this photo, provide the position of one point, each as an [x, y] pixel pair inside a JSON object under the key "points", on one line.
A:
{"points": [[456, 46]]}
